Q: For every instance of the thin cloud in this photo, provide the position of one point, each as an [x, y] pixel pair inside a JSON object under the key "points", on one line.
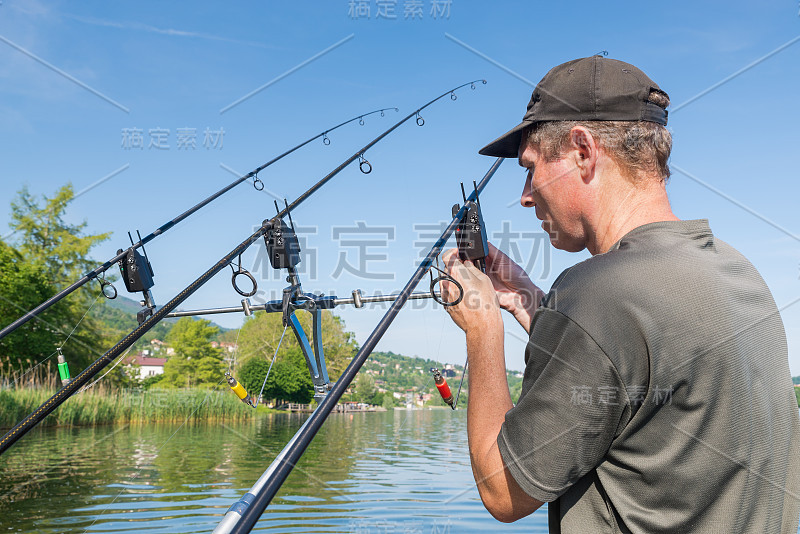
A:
{"points": [[138, 26]]}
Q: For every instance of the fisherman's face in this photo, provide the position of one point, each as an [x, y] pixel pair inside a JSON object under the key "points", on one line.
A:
{"points": [[552, 188]]}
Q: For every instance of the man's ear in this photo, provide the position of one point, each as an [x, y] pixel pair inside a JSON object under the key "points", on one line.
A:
{"points": [[585, 151]]}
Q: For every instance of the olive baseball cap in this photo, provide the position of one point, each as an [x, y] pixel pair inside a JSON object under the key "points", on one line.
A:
{"points": [[587, 89]]}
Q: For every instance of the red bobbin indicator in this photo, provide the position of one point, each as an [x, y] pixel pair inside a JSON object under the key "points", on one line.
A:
{"points": [[441, 385]]}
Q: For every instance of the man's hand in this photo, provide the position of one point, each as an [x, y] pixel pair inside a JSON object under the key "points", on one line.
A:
{"points": [[513, 289], [516, 293], [479, 308]]}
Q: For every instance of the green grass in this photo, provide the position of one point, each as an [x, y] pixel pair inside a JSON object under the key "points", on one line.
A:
{"points": [[99, 406]]}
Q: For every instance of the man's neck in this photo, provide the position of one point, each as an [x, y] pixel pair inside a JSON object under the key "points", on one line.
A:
{"points": [[623, 209]]}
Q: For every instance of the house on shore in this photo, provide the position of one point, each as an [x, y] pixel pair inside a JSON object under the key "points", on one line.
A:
{"points": [[147, 366]]}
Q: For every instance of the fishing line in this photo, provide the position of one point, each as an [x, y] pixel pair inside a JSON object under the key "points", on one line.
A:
{"points": [[270, 365], [235, 349], [58, 349], [80, 321], [120, 359], [461, 383]]}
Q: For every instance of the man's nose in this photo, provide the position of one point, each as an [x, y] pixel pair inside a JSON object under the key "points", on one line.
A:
{"points": [[527, 197]]}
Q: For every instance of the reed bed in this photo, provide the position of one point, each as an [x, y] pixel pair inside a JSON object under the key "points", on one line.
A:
{"points": [[22, 391]]}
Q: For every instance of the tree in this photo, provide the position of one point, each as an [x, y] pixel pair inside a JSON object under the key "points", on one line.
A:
{"points": [[288, 381], [23, 286], [365, 387], [251, 375], [195, 362], [260, 334], [58, 253], [152, 381], [48, 240]]}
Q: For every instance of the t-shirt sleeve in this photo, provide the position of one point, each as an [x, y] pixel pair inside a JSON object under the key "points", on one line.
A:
{"points": [[571, 407]]}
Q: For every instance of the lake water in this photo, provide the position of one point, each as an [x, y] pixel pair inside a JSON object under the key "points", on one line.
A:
{"points": [[396, 472]]}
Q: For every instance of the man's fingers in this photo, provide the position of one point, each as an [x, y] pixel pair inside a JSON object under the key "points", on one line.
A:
{"points": [[449, 257]]}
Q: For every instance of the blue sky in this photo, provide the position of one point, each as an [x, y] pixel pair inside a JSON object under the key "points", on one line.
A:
{"points": [[155, 67]]}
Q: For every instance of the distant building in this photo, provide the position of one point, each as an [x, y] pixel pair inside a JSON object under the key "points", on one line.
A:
{"points": [[147, 366]]}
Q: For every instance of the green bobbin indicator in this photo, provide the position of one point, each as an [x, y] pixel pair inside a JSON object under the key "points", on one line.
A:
{"points": [[63, 368]]}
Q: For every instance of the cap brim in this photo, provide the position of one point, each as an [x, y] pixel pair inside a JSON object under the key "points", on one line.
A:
{"points": [[507, 145]]}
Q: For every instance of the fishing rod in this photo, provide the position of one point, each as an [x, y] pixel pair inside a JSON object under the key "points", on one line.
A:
{"points": [[21, 428], [138, 272], [243, 515], [283, 251]]}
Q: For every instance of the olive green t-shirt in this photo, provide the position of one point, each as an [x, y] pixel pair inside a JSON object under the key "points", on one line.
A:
{"points": [[657, 395]]}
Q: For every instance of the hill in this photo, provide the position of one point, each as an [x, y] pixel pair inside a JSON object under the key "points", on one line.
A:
{"points": [[411, 376], [119, 318]]}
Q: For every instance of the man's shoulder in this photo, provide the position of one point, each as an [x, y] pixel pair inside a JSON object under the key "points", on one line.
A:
{"points": [[652, 262], [589, 284]]}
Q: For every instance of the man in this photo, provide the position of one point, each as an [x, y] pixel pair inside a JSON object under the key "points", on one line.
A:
{"points": [[656, 396]]}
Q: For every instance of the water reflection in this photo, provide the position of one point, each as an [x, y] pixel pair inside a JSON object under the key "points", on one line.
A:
{"points": [[400, 471]]}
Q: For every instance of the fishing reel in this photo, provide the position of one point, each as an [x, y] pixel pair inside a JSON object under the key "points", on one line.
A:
{"points": [[471, 242]]}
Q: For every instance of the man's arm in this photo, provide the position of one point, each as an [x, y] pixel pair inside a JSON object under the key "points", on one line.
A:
{"points": [[489, 398]]}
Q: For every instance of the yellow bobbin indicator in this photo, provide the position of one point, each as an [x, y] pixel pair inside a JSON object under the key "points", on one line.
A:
{"points": [[238, 389]]}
